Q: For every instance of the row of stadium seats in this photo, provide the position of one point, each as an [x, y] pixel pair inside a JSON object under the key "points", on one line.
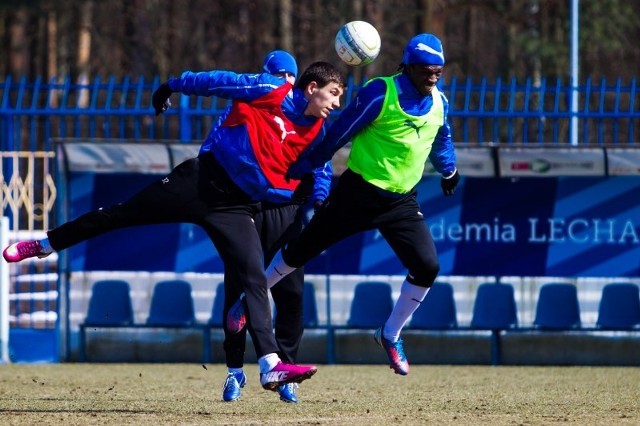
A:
{"points": [[494, 308], [172, 306]]}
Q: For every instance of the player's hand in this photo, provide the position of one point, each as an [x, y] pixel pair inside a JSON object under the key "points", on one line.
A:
{"points": [[160, 99], [298, 169], [449, 183], [304, 190], [318, 205]]}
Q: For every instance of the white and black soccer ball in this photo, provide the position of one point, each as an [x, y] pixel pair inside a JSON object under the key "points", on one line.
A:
{"points": [[357, 43]]}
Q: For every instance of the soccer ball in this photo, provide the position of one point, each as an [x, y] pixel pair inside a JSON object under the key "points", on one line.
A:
{"points": [[357, 43]]}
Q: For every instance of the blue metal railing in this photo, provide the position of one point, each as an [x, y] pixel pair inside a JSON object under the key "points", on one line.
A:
{"points": [[32, 113]]}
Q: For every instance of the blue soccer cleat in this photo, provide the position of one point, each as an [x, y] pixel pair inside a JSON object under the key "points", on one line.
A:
{"points": [[397, 359], [288, 392], [232, 386]]}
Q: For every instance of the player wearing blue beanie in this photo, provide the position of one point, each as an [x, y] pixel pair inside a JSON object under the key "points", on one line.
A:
{"points": [[394, 124], [280, 62], [424, 49]]}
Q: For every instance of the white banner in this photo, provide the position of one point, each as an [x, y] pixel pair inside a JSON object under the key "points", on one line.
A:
{"points": [[117, 158], [471, 161], [182, 152], [623, 161], [540, 162]]}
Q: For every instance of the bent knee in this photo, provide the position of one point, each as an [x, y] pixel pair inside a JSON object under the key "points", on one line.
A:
{"points": [[425, 274]]}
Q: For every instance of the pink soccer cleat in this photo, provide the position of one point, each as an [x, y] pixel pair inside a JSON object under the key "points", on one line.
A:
{"points": [[286, 373], [23, 250]]}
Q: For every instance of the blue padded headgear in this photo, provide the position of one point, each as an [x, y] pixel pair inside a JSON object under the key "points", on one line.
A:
{"points": [[424, 49]]}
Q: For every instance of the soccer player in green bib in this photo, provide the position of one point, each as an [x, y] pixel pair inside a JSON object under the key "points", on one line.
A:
{"points": [[395, 123]]}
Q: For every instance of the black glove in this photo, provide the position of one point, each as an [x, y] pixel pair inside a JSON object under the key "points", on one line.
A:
{"points": [[298, 169], [304, 190], [318, 205], [449, 184], [160, 99]]}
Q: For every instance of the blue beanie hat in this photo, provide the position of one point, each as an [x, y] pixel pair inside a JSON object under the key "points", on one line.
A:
{"points": [[424, 49], [280, 61]]}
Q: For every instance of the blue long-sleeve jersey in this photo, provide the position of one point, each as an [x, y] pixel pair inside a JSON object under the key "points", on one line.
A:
{"points": [[364, 109], [231, 146]]}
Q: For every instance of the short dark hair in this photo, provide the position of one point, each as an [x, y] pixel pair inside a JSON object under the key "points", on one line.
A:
{"points": [[322, 73]]}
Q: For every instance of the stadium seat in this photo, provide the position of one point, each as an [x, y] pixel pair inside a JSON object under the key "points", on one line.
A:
{"points": [[557, 307], [619, 307], [218, 307], [438, 309], [371, 305], [171, 305], [110, 304], [494, 307], [309, 307]]}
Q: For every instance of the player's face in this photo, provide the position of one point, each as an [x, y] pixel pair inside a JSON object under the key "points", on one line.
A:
{"points": [[424, 77], [287, 76], [322, 100]]}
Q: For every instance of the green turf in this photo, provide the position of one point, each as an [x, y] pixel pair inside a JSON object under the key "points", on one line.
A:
{"points": [[183, 394]]}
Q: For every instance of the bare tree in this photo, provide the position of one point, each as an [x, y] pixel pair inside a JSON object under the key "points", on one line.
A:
{"points": [[18, 63], [433, 17], [286, 28], [486, 38], [84, 50], [52, 44]]}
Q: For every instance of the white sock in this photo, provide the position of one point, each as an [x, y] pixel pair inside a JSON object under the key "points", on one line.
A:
{"points": [[46, 246], [268, 362], [235, 371], [410, 298], [277, 270]]}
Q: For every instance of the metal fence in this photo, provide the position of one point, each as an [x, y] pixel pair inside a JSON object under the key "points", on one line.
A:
{"points": [[32, 113], [35, 113]]}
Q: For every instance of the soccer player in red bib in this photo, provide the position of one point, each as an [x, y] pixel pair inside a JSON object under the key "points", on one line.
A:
{"points": [[276, 223], [241, 163]]}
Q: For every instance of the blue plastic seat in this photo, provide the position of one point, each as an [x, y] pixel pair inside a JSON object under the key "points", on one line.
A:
{"points": [[557, 307], [172, 305], [494, 307], [371, 305], [309, 307], [110, 304], [218, 307], [619, 307], [438, 309]]}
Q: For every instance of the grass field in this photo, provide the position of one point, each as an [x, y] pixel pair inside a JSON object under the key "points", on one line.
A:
{"points": [[190, 394]]}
